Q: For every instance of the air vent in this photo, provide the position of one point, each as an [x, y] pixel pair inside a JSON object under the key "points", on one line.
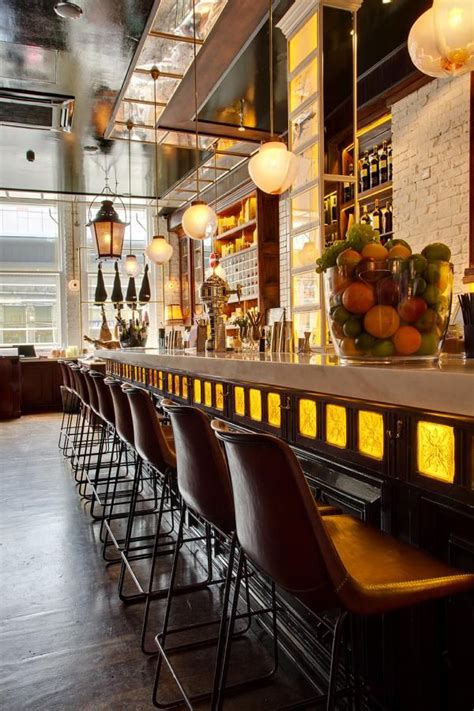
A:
{"points": [[27, 109]]}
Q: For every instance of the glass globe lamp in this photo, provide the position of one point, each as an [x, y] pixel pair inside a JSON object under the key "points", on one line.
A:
{"points": [[273, 168], [454, 33], [131, 267], [159, 250], [199, 221]]}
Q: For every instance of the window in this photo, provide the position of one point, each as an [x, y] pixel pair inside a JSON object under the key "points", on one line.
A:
{"points": [[30, 310]]}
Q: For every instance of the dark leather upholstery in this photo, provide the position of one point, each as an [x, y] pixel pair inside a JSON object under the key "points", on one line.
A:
{"points": [[325, 562], [123, 416], [151, 442], [92, 391], [72, 380], [203, 479], [65, 374], [106, 405], [81, 387]]}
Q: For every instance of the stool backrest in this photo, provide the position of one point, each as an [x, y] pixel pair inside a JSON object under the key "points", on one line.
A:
{"points": [[64, 374], [81, 386], [277, 522], [106, 406], [203, 478], [150, 442], [123, 416], [91, 389]]}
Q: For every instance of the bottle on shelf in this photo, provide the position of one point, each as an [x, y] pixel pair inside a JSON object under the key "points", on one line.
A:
{"points": [[374, 167], [333, 205], [377, 221], [348, 188], [327, 215], [364, 173], [365, 217], [388, 218], [383, 164], [389, 162]]}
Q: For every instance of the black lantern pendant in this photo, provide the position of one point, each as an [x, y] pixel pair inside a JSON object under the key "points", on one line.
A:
{"points": [[108, 230], [145, 291], [100, 292], [117, 293]]}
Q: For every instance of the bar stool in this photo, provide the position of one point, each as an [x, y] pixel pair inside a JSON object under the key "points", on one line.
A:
{"points": [[331, 562], [78, 453], [204, 486], [68, 402]]}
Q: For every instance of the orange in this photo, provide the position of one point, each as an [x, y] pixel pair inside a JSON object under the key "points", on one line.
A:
{"points": [[348, 348], [400, 251], [407, 340], [374, 250], [358, 297], [381, 321]]}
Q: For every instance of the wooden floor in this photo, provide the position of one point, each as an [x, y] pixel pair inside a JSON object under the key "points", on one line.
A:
{"points": [[66, 640]]}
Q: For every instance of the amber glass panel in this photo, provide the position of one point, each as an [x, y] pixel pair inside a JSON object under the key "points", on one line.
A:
{"points": [[435, 451], [303, 43], [371, 434], [239, 404], [185, 387], [304, 209], [160, 380], [304, 85], [197, 390], [307, 418], [219, 392], [274, 409], [306, 289], [170, 383], [207, 393], [255, 404], [176, 385], [336, 425]]}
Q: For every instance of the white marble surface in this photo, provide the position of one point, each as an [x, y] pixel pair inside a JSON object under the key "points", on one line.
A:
{"points": [[447, 387]]}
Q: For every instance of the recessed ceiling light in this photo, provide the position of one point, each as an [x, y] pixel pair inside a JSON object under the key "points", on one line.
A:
{"points": [[386, 2], [68, 10]]}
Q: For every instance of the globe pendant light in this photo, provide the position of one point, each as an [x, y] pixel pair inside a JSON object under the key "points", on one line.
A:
{"points": [[199, 220], [131, 265], [159, 250], [273, 168], [454, 30]]}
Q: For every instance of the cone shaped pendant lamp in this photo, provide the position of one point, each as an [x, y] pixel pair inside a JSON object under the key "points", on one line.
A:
{"points": [[199, 220], [117, 293], [131, 295], [144, 295], [100, 291], [273, 168], [159, 250], [131, 265]]}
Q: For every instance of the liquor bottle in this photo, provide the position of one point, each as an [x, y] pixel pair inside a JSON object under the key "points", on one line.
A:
{"points": [[346, 192], [388, 218], [389, 162], [326, 211], [377, 222], [333, 204], [364, 173], [351, 185], [383, 165], [374, 168], [365, 217]]}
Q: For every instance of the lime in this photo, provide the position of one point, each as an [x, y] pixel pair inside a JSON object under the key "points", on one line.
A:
{"points": [[419, 286], [426, 321], [437, 251], [364, 342], [431, 294], [341, 314], [432, 273], [383, 348], [393, 243], [429, 344], [419, 263], [352, 327]]}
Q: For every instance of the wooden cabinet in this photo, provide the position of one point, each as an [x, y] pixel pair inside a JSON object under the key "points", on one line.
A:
{"points": [[40, 382], [10, 387]]}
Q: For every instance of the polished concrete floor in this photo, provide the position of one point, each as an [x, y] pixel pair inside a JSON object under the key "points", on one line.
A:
{"points": [[66, 640]]}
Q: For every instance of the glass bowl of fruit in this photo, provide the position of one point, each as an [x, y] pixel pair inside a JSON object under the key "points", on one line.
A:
{"points": [[384, 303]]}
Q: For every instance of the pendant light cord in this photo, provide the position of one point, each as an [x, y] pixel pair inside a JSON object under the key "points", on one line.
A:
{"points": [[270, 61], [196, 99], [129, 127], [155, 74]]}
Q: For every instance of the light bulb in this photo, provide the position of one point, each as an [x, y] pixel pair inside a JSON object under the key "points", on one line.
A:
{"points": [[159, 250], [454, 32], [131, 266], [199, 221], [273, 168], [423, 48]]}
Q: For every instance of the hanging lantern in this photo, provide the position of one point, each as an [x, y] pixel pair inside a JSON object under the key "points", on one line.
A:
{"points": [[144, 295], [108, 230], [100, 291], [199, 221], [159, 250], [131, 295], [454, 32], [117, 293], [131, 266], [273, 168]]}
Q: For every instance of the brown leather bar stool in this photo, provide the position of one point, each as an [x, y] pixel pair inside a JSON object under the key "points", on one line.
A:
{"points": [[331, 562], [204, 486], [69, 405]]}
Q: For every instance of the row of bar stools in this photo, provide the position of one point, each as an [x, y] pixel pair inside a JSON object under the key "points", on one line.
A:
{"points": [[70, 403]]}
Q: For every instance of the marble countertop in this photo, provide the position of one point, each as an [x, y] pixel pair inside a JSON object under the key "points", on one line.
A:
{"points": [[445, 387]]}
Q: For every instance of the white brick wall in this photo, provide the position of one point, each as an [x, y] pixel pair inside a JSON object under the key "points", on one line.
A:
{"points": [[430, 133], [285, 292]]}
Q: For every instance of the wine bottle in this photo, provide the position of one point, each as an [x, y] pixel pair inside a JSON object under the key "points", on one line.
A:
{"points": [[364, 173], [326, 211], [351, 185], [389, 162], [365, 217], [377, 217], [347, 191], [383, 165], [388, 218], [374, 168], [333, 204]]}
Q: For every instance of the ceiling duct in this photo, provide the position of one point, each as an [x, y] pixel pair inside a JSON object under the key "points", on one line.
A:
{"points": [[30, 109]]}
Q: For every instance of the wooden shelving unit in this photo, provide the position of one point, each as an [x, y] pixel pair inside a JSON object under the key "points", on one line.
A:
{"points": [[236, 230]]}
